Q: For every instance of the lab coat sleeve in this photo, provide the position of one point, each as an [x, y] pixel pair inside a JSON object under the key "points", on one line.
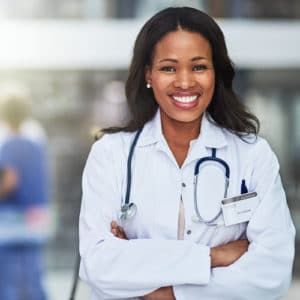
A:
{"points": [[264, 271], [117, 268]]}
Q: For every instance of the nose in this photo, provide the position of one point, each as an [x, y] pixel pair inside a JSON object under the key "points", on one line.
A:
{"points": [[184, 79]]}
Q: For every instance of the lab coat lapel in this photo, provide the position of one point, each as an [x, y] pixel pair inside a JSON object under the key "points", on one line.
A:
{"points": [[211, 136]]}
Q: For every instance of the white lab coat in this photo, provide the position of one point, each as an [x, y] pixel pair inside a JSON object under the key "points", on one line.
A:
{"points": [[153, 257]]}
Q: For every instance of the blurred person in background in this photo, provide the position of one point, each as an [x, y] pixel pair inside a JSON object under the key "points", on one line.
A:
{"points": [[28, 127], [24, 194], [159, 218]]}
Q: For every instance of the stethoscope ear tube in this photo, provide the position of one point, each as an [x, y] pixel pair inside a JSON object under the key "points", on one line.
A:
{"points": [[128, 209], [129, 161]]}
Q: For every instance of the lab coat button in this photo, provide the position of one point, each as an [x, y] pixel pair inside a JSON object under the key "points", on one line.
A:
{"points": [[189, 231], [183, 184]]}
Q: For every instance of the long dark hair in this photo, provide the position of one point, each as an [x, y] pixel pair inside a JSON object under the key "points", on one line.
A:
{"points": [[225, 108]]}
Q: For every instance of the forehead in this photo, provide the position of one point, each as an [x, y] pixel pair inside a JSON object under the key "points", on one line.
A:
{"points": [[182, 43]]}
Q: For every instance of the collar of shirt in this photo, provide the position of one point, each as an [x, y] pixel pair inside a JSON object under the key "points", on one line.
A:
{"points": [[211, 136]]}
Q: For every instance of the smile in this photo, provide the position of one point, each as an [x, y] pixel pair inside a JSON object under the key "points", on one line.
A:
{"points": [[185, 99]]}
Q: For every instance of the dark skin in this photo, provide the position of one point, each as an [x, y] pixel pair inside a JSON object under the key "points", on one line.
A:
{"points": [[178, 138], [9, 181], [184, 69], [221, 256]]}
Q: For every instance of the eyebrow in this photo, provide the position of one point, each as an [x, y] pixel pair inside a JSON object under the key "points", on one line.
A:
{"points": [[175, 60]]}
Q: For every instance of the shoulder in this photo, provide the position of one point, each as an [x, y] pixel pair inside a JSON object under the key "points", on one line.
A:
{"points": [[113, 141], [254, 149], [112, 146], [18, 143], [249, 142], [108, 156]]}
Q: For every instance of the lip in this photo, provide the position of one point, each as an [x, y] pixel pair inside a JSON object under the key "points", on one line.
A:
{"points": [[188, 104], [185, 94]]}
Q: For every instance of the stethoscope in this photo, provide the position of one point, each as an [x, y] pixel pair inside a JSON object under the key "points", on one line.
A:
{"points": [[129, 209]]}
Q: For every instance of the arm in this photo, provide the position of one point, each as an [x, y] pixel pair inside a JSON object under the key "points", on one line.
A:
{"points": [[117, 268], [163, 293], [223, 255], [220, 256], [8, 181], [264, 271]]}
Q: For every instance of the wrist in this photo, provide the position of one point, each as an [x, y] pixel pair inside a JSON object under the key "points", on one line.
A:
{"points": [[214, 262]]}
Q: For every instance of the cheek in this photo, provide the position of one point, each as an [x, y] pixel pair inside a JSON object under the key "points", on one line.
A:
{"points": [[160, 84], [208, 83], [210, 78]]}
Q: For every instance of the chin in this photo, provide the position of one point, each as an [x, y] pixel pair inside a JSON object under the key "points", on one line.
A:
{"points": [[187, 118]]}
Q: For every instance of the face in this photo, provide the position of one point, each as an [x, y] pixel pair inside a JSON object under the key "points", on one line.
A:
{"points": [[182, 76]]}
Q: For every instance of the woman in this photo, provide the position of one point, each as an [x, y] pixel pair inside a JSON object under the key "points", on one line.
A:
{"points": [[175, 241]]}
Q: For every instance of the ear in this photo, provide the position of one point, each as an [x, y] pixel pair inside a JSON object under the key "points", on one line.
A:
{"points": [[148, 74]]}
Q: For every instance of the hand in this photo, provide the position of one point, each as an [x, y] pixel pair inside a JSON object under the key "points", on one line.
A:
{"points": [[225, 255], [9, 181], [164, 293], [117, 231]]}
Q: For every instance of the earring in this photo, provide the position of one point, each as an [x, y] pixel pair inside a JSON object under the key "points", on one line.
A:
{"points": [[148, 85]]}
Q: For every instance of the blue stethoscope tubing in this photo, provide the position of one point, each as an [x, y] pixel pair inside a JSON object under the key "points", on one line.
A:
{"points": [[129, 209], [198, 218]]}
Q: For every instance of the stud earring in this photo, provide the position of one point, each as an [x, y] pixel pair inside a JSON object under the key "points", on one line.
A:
{"points": [[148, 85]]}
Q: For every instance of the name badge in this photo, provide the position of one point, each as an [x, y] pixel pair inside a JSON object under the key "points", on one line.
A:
{"points": [[239, 209]]}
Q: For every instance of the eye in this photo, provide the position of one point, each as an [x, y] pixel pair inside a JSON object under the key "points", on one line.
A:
{"points": [[200, 68], [168, 69]]}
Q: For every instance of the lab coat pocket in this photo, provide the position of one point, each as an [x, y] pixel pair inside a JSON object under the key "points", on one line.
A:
{"points": [[236, 213], [239, 209]]}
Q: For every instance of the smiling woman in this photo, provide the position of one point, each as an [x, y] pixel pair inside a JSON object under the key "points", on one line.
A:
{"points": [[183, 80], [153, 224], [182, 76]]}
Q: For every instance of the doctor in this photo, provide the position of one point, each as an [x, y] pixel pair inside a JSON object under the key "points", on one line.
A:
{"points": [[157, 220]]}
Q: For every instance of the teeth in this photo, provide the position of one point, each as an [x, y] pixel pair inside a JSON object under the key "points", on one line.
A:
{"points": [[186, 99]]}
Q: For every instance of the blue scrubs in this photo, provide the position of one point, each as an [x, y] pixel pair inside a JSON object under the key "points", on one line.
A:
{"points": [[21, 263]]}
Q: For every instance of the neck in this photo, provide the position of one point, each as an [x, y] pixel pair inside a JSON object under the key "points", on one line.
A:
{"points": [[180, 133]]}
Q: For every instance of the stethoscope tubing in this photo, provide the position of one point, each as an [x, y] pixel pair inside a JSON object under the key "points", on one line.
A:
{"points": [[129, 164], [212, 158], [128, 209], [200, 162]]}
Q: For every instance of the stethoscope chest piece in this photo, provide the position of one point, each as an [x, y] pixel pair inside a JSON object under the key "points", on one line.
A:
{"points": [[127, 211]]}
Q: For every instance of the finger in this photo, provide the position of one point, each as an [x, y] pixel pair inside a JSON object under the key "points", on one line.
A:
{"points": [[114, 232], [122, 232], [117, 233], [113, 224]]}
